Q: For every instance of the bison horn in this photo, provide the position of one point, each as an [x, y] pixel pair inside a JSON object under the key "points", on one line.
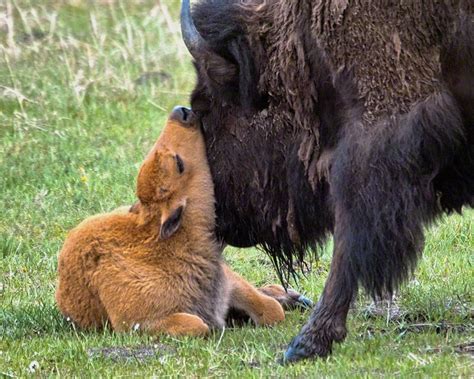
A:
{"points": [[192, 39]]}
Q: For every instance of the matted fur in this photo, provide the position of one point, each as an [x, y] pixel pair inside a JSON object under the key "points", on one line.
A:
{"points": [[329, 116]]}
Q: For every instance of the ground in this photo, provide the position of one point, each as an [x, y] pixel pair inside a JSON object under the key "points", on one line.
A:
{"points": [[85, 87]]}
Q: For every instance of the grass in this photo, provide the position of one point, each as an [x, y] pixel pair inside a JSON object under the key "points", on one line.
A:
{"points": [[84, 89]]}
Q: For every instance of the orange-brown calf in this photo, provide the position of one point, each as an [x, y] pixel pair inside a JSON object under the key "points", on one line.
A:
{"points": [[157, 265]]}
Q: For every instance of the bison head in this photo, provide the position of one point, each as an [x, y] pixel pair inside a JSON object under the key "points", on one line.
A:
{"points": [[268, 104]]}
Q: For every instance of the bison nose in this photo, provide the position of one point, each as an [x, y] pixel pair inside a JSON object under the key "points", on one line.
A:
{"points": [[183, 115]]}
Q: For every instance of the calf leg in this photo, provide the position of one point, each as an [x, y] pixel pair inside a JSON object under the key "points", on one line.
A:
{"points": [[177, 324], [181, 324], [132, 308], [288, 299], [75, 297], [262, 309]]}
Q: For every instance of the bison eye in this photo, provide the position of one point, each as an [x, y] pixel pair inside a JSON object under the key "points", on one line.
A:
{"points": [[179, 164]]}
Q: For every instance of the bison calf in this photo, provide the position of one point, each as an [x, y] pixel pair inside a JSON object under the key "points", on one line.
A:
{"points": [[157, 265]]}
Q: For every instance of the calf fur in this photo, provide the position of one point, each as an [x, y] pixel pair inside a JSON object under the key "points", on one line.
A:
{"points": [[157, 266]]}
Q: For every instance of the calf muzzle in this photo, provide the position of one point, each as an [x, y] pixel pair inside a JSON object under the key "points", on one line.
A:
{"points": [[184, 116]]}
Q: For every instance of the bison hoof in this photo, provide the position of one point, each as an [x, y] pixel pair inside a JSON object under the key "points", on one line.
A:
{"points": [[300, 349]]}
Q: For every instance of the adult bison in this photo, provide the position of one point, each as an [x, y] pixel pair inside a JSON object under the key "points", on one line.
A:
{"points": [[330, 116]]}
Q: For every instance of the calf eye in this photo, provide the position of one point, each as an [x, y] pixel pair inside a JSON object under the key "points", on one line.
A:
{"points": [[179, 164]]}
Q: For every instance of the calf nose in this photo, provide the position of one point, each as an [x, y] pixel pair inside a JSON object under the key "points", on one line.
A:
{"points": [[183, 115]]}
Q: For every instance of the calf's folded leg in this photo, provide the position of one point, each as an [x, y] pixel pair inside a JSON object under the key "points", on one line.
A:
{"points": [[181, 324], [288, 299], [262, 309]]}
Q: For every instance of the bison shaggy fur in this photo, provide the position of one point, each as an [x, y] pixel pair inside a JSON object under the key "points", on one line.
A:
{"points": [[323, 117]]}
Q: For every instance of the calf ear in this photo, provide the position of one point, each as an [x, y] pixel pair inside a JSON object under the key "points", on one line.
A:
{"points": [[171, 224], [135, 208]]}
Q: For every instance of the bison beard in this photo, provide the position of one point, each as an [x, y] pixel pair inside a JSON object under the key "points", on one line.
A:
{"points": [[296, 154]]}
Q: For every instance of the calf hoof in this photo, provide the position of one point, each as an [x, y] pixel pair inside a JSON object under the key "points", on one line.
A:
{"points": [[304, 302], [288, 299]]}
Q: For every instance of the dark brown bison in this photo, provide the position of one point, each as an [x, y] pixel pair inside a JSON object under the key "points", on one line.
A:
{"points": [[333, 117]]}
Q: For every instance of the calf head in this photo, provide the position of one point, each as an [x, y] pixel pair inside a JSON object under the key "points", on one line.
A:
{"points": [[174, 174]]}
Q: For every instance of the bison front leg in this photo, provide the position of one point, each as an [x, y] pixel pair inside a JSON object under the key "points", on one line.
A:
{"points": [[327, 323]]}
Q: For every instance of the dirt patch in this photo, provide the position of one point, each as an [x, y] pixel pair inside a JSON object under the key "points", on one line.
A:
{"points": [[252, 364], [439, 328], [464, 348], [139, 353], [388, 309]]}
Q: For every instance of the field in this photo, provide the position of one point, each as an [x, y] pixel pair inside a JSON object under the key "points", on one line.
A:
{"points": [[85, 87]]}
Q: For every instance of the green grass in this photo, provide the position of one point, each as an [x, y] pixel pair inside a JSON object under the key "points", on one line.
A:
{"points": [[74, 126]]}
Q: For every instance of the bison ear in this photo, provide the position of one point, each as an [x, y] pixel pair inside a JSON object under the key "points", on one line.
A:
{"points": [[247, 74], [225, 62], [172, 223], [235, 78], [220, 78], [220, 70]]}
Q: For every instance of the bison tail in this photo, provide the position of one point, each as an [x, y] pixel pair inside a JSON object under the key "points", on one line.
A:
{"points": [[385, 184]]}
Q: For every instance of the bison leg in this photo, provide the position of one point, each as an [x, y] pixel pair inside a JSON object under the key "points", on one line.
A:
{"points": [[457, 67], [387, 185], [328, 320]]}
